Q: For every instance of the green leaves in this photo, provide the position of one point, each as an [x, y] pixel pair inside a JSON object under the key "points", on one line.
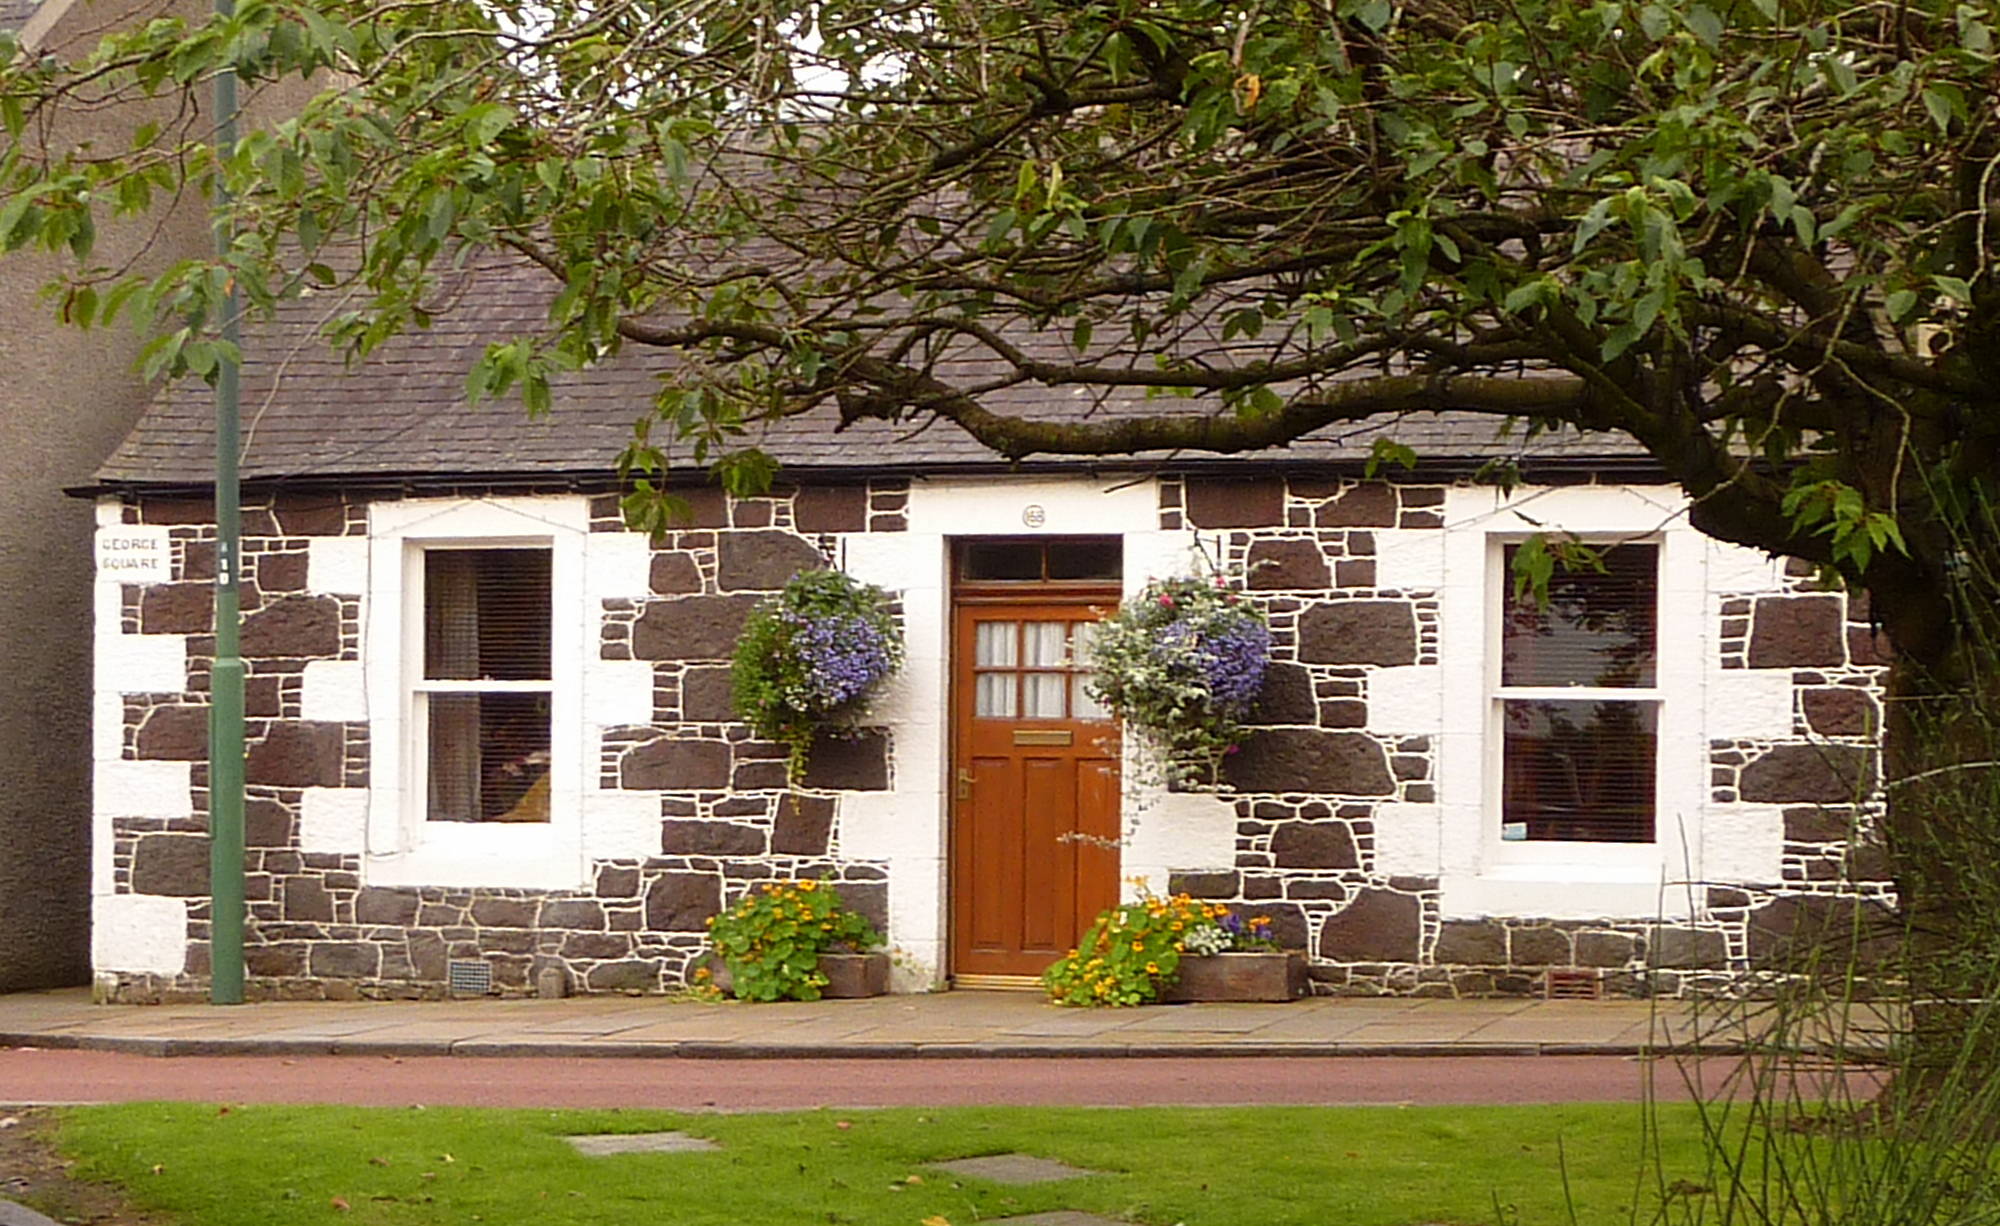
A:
{"points": [[1839, 512], [1389, 451], [772, 938]]}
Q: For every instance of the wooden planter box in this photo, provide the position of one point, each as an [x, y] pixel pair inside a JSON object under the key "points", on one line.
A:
{"points": [[1269, 975], [848, 976]]}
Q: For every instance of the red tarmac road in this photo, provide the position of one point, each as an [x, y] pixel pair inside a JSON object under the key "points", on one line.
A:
{"points": [[39, 1076]]}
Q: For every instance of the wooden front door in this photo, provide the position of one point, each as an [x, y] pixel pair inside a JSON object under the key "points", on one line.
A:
{"points": [[1035, 855]]}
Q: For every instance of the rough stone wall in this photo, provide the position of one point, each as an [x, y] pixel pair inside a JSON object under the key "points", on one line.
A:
{"points": [[725, 820], [1313, 781]]}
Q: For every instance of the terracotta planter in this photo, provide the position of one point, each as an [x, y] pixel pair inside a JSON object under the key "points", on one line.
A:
{"points": [[1268, 975], [848, 976]]}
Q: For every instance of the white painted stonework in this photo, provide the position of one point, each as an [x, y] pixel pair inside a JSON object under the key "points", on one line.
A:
{"points": [[1405, 699], [1166, 831], [1409, 560], [143, 789], [333, 820], [1748, 703], [620, 825], [1408, 839], [140, 934], [334, 690], [337, 565], [1742, 843], [616, 694]]}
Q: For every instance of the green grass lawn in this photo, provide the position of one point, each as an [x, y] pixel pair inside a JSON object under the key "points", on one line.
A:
{"points": [[1264, 1166]]}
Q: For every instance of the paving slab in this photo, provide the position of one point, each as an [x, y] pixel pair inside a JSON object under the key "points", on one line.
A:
{"points": [[940, 1024], [1012, 1168], [1060, 1217], [603, 1145]]}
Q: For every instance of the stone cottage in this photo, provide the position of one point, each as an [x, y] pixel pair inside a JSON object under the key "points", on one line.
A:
{"points": [[491, 731]]}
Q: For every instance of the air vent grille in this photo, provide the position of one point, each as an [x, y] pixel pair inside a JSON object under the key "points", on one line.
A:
{"points": [[470, 978], [1572, 985]]}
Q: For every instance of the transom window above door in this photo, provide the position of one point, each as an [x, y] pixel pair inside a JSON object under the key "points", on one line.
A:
{"points": [[1032, 670], [1061, 559]]}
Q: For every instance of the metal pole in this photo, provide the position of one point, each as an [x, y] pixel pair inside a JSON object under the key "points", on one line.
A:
{"points": [[225, 721]]}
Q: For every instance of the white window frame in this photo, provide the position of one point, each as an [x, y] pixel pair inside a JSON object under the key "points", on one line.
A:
{"points": [[1483, 875], [1621, 857], [404, 846]]}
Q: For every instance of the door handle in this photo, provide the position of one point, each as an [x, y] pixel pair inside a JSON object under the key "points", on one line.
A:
{"points": [[964, 783]]}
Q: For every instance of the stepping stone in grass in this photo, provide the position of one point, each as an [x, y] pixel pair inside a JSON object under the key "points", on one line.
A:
{"points": [[1012, 1168], [12, 1214], [1059, 1217], [602, 1144]]}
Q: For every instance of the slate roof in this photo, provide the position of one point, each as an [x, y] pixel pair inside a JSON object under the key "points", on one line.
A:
{"points": [[15, 13], [309, 417]]}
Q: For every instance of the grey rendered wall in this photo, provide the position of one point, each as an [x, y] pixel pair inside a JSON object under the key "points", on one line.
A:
{"points": [[66, 399]]}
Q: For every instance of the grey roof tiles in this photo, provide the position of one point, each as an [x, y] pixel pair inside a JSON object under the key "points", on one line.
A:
{"points": [[307, 413]]}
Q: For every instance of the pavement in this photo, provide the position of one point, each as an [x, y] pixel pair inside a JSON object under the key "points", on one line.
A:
{"points": [[957, 1024]]}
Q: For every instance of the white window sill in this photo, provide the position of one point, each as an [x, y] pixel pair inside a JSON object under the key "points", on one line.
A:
{"points": [[469, 855], [1562, 891]]}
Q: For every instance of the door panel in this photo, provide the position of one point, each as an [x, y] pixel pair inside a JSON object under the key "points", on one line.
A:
{"points": [[1035, 820]]}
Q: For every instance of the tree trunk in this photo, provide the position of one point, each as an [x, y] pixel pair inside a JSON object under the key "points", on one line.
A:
{"points": [[1940, 744]]}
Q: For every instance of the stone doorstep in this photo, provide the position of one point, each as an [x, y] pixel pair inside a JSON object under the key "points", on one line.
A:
{"points": [[602, 1145], [1012, 1168]]}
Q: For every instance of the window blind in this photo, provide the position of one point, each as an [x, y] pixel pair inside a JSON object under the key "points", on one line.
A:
{"points": [[487, 619], [1595, 629], [1582, 769]]}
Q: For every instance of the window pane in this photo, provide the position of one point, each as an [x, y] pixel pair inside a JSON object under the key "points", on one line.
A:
{"points": [[1579, 770], [486, 614], [994, 696], [1086, 560], [1047, 643], [1044, 699], [1002, 560], [1596, 629], [994, 644], [489, 757], [1081, 704]]}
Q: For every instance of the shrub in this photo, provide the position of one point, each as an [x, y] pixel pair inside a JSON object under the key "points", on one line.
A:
{"points": [[772, 938], [810, 658], [1182, 662], [1133, 949]]}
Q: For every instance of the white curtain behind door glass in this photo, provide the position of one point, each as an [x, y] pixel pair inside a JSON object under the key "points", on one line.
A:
{"points": [[995, 646], [1047, 647]]}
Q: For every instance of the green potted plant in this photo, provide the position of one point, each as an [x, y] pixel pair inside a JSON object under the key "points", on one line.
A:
{"points": [[796, 940], [810, 658], [1172, 950], [1228, 957], [1182, 663]]}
